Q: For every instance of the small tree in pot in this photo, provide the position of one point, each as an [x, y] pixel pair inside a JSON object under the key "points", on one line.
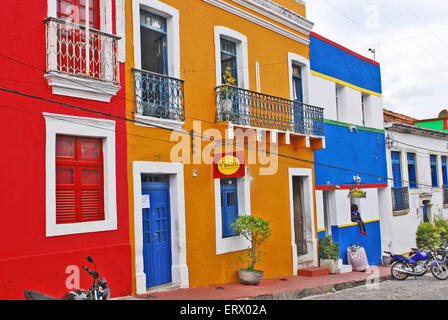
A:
{"points": [[256, 231], [329, 254]]}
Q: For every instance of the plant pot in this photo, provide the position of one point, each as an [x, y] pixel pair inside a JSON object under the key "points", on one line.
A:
{"points": [[251, 278], [330, 264]]}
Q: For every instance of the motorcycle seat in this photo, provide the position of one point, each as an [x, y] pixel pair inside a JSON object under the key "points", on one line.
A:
{"points": [[404, 255]]}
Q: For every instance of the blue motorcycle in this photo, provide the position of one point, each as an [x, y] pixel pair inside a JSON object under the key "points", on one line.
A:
{"points": [[417, 264]]}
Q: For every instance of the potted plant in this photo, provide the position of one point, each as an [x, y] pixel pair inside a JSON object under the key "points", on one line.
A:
{"points": [[227, 95], [329, 254], [256, 231]]}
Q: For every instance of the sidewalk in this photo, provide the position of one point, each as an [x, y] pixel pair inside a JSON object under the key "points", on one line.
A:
{"points": [[287, 288]]}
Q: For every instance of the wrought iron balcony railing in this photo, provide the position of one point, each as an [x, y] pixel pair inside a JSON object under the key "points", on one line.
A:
{"points": [[400, 199], [254, 109], [159, 96], [74, 50]]}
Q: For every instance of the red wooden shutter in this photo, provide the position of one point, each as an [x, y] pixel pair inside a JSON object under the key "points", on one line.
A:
{"points": [[79, 180]]}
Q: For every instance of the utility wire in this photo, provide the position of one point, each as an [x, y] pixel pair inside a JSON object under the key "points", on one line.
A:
{"points": [[208, 138]]}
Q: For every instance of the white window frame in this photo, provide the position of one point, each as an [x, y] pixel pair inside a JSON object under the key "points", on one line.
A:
{"points": [[179, 268], [173, 37], [81, 127], [81, 87], [241, 52], [232, 244], [173, 43], [298, 60]]}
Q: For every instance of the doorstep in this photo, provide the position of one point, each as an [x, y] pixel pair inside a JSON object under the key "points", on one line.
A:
{"points": [[313, 272]]}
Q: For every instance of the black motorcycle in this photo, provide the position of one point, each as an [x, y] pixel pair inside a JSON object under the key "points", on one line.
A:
{"points": [[98, 291]]}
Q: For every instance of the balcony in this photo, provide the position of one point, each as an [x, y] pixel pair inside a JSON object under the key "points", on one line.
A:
{"points": [[159, 97], [81, 62], [400, 199], [254, 109]]}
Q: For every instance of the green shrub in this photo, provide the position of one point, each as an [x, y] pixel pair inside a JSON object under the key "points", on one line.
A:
{"points": [[442, 227], [427, 236], [328, 249], [257, 231]]}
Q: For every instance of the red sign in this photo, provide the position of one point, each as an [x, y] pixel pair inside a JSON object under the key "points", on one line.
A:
{"points": [[228, 165]]}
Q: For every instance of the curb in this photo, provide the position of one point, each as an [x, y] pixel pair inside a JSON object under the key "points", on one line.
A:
{"points": [[314, 291]]}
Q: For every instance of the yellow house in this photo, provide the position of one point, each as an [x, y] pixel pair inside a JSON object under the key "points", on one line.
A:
{"points": [[206, 78]]}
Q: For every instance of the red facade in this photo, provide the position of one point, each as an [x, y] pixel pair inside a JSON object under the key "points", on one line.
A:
{"points": [[31, 255]]}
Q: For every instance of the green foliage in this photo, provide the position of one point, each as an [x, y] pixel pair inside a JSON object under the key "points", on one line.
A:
{"points": [[431, 235], [328, 249], [442, 226], [255, 230]]}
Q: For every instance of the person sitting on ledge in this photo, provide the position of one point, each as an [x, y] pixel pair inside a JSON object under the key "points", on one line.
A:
{"points": [[356, 217]]}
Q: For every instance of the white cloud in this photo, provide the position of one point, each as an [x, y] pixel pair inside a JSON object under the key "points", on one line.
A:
{"points": [[411, 42]]}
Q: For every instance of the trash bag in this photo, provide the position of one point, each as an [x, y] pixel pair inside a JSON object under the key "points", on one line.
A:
{"points": [[357, 258]]}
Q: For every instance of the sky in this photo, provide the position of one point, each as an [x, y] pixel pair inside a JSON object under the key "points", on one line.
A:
{"points": [[410, 38]]}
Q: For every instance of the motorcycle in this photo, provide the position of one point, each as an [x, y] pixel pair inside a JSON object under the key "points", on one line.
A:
{"points": [[98, 291], [417, 264]]}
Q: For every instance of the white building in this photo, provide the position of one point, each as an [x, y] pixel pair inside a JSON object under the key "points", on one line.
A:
{"points": [[417, 169]]}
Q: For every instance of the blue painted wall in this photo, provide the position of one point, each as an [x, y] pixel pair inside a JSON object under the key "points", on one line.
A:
{"points": [[364, 151], [348, 235], [332, 61]]}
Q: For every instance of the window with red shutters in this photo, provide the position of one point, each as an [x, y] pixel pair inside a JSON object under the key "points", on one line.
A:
{"points": [[79, 179]]}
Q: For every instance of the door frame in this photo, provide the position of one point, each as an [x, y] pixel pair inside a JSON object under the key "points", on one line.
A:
{"points": [[309, 215], [179, 268]]}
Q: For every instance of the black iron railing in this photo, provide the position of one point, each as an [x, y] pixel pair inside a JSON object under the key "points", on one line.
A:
{"points": [[159, 96], [254, 109], [400, 199]]}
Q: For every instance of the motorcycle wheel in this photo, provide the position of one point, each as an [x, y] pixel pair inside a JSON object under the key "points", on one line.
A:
{"points": [[398, 275], [439, 271]]}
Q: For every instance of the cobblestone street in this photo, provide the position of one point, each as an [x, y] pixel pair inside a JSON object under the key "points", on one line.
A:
{"points": [[422, 288]]}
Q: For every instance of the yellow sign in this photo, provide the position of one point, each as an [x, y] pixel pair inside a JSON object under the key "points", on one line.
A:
{"points": [[357, 193], [228, 165]]}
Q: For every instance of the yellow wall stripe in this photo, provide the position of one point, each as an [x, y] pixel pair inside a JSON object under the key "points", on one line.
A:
{"points": [[317, 74]]}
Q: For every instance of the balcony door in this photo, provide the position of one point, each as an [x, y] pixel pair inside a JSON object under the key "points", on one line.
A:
{"points": [[229, 75], [298, 99], [155, 85], [74, 55], [154, 43]]}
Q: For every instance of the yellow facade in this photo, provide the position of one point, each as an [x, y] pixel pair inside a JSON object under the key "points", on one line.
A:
{"points": [[269, 194]]}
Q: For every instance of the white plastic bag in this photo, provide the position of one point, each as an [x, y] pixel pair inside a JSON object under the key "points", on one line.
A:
{"points": [[357, 257]]}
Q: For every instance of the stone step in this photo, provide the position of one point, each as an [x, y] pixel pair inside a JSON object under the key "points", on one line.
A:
{"points": [[344, 268], [313, 272]]}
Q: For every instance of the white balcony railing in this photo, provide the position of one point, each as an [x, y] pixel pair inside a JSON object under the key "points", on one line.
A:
{"points": [[75, 50]]}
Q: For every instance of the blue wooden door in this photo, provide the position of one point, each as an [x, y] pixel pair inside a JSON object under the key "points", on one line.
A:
{"points": [[156, 230], [229, 205]]}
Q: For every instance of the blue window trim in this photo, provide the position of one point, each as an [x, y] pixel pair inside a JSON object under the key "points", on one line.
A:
{"points": [[396, 168], [297, 82], [412, 171], [434, 178], [152, 15], [234, 57], [444, 171], [226, 189]]}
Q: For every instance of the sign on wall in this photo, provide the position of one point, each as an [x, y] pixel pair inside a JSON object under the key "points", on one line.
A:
{"points": [[228, 165], [356, 193]]}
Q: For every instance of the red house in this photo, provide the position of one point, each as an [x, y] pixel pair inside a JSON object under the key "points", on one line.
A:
{"points": [[63, 184]]}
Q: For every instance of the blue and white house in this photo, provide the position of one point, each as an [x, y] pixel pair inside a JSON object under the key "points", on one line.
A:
{"points": [[348, 86]]}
